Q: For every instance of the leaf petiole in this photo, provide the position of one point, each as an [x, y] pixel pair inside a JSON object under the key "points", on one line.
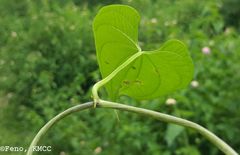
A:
{"points": [[110, 76]]}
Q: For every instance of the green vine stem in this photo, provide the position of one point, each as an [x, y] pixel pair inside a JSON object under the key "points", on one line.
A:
{"points": [[54, 120], [172, 119], [225, 148]]}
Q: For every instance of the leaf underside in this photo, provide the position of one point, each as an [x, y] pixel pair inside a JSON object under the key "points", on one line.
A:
{"points": [[153, 73]]}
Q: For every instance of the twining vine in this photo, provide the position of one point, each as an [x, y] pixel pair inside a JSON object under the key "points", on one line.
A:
{"points": [[147, 74]]}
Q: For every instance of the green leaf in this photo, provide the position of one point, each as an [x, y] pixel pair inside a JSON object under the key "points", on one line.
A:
{"points": [[173, 131], [152, 73]]}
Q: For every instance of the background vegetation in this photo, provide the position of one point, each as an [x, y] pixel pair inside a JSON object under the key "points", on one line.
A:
{"points": [[48, 63]]}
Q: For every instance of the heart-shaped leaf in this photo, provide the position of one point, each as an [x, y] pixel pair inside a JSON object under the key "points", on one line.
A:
{"points": [[152, 73]]}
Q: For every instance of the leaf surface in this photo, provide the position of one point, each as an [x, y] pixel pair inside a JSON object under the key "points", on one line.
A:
{"points": [[153, 73], [173, 131]]}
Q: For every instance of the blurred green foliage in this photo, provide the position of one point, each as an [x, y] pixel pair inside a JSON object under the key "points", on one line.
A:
{"points": [[48, 63], [231, 12]]}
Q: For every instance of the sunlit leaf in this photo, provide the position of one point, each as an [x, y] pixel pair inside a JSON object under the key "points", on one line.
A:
{"points": [[153, 73]]}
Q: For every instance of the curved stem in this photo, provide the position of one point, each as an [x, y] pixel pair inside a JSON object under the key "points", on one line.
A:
{"points": [[157, 115], [224, 147], [53, 121], [110, 76]]}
